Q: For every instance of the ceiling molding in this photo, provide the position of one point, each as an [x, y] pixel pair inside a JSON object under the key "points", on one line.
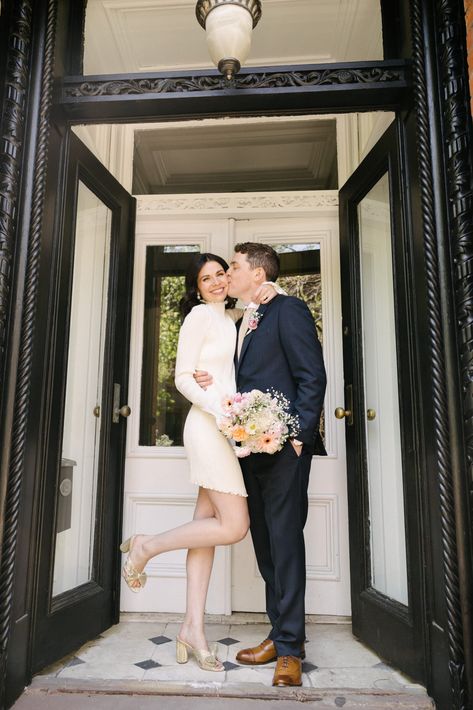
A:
{"points": [[231, 204], [119, 35]]}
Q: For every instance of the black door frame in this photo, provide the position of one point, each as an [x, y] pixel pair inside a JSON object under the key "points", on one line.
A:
{"points": [[439, 143]]}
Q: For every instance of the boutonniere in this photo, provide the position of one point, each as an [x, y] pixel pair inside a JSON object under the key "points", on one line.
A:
{"points": [[254, 320]]}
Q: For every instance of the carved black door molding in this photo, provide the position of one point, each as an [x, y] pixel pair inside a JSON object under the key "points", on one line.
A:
{"points": [[14, 102], [29, 77], [447, 220]]}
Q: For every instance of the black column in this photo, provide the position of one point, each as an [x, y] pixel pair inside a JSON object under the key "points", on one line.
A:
{"points": [[23, 167], [16, 27], [442, 139]]}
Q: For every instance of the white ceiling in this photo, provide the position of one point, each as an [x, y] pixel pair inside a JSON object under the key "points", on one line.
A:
{"points": [[129, 36], [236, 157]]}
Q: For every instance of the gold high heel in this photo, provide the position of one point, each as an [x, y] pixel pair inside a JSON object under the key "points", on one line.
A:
{"points": [[206, 660], [129, 573]]}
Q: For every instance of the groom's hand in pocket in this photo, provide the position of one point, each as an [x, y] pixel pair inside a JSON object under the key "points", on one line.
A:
{"points": [[297, 446], [203, 378]]}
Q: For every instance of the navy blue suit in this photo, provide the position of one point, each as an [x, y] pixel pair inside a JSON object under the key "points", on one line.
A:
{"points": [[283, 353]]}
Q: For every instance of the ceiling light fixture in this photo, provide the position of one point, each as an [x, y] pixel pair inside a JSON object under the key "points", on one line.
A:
{"points": [[228, 25]]}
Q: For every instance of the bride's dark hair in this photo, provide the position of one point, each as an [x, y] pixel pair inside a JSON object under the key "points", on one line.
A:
{"points": [[191, 296]]}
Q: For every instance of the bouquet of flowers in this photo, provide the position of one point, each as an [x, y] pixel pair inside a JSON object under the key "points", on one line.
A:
{"points": [[259, 421]]}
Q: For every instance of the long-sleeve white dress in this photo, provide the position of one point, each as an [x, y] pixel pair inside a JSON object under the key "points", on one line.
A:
{"points": [[207, 342]]}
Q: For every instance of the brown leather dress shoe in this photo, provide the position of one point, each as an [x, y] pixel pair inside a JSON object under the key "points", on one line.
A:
{"points": [[288, 671], [265, 652]]}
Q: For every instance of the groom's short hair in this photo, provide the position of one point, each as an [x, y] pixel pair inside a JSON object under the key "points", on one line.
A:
{"points": [[261, 255]]}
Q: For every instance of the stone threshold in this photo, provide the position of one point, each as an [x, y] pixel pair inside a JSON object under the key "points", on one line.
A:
{"points": [[236, 617], [370, 699]]}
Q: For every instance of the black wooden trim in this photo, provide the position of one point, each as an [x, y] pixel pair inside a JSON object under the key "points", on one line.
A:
{"points": [[457, 137], [17, 24], [316, 88], [74, 52], [443, 376], [14, 101], [392, 30], [40, 81]]}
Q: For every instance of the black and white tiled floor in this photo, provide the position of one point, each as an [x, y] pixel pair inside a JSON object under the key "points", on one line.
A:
{"points": [[142, 648]]}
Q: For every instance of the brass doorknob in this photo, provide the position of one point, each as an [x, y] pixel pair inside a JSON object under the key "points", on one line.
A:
{"points": [[371, 414], [124, 411], [341, 413]]}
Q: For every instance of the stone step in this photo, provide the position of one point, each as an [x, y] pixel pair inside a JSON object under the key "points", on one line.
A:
{"points": [[74, 694]]}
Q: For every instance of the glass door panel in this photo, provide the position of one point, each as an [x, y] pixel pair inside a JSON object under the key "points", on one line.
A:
{"points": [[300, 276], [381, 395], [163, 409], [77, 494]]}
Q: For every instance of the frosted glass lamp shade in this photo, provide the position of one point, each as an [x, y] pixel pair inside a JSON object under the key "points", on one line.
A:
{"points": [[228, 25], [228, 30]]}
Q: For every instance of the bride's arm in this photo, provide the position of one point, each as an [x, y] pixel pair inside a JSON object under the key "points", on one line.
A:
{"points": [[236, 313], [279, 289], [191, 339]]}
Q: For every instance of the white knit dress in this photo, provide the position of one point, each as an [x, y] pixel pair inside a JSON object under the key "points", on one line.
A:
{"points": [[207, 342]]}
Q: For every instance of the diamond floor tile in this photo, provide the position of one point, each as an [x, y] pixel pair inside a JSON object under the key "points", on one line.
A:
{"points": [[228, 641], [146, 665], [158, 640]]}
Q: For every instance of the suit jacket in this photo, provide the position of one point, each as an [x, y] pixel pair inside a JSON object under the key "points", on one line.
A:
{"points": [[284, 353]]}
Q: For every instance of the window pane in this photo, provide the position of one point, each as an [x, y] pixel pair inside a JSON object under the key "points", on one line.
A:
{"points": [[163, 408], [383, 436], [300, 276], [75, 526]]}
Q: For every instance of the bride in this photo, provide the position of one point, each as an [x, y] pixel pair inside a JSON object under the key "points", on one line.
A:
{"points": [[206, 342]]}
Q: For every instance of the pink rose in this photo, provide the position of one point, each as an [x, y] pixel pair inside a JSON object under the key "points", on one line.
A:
{"points": [[242, 451]]}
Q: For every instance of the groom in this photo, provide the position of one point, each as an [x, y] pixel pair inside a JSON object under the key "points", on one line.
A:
{"points": [[279, 350]]}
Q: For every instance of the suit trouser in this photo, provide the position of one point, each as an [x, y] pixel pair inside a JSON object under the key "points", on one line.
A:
{"points": [[277, 500]]}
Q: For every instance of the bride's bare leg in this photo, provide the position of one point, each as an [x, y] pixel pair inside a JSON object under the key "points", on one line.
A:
{"points": [[199, 567], [229, 524]]}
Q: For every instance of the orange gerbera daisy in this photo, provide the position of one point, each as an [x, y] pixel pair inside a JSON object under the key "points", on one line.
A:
{"points": [[239, 433]]}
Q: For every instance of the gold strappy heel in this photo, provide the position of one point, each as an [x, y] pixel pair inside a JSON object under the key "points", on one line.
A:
{"points": [[206, 660], [129, 573]]}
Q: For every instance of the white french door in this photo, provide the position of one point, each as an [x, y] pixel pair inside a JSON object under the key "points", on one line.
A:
{"points": [[157, 492]]}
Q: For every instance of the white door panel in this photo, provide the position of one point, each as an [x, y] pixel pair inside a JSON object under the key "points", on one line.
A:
{"points": [[326, 531]]}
